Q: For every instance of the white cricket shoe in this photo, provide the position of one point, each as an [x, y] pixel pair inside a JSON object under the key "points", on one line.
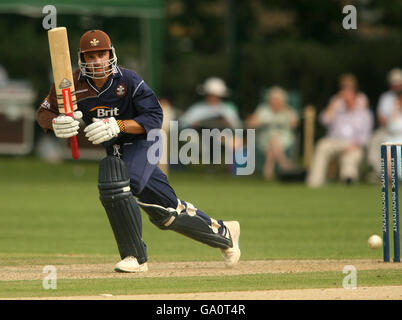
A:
{"points": [[130, 264], [232, 255]]}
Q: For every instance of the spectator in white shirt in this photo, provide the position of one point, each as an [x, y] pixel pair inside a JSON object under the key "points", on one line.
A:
{"points": [[394, 124], [385, 109], [213, 111], [349, 122]]}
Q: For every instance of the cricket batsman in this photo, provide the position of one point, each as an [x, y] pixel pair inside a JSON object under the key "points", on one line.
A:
{"points": [[119, 109]]}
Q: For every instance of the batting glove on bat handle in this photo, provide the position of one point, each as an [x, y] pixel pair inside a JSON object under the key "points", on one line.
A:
{"points": [[66, 126], [102, 130]]}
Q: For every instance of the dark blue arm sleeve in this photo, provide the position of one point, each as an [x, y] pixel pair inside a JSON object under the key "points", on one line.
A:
{"points": [[150, 115]]}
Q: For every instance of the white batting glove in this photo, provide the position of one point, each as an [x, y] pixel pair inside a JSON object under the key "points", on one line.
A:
{"points": [[66, 126], [102, 130]]}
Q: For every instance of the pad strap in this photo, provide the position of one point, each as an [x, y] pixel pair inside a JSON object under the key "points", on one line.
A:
{"points": [[186, 222]]}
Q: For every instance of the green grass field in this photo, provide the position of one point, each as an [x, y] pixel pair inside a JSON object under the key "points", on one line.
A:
{"points": [[49, 210]]}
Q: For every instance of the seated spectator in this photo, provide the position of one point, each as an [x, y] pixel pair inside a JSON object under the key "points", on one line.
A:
{"points": [[393, 130], [275, 122], [349, 123], [212, 111], [169, 114], [385, 110], [394, 124]]}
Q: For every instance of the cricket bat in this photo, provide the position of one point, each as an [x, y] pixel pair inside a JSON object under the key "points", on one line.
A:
{"points": [[63, 77]]}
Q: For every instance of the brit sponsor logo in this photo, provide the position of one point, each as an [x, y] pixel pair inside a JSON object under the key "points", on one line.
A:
{"points": [[105, 112]]}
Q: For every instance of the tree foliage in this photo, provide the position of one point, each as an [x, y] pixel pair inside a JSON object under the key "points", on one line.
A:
{"points": [[299, 45]]}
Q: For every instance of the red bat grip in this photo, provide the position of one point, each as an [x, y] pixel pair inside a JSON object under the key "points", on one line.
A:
{"points": [[75, 152], [74, 148]]}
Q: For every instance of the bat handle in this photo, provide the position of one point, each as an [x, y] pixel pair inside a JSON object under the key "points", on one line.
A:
{"points": [[75, 152], [74, 148]]}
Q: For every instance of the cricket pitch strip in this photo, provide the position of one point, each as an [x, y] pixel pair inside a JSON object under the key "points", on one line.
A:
{"points": [[216, 268]]}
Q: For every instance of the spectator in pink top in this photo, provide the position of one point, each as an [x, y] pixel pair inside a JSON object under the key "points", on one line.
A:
{"points": [[349, 123]]}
